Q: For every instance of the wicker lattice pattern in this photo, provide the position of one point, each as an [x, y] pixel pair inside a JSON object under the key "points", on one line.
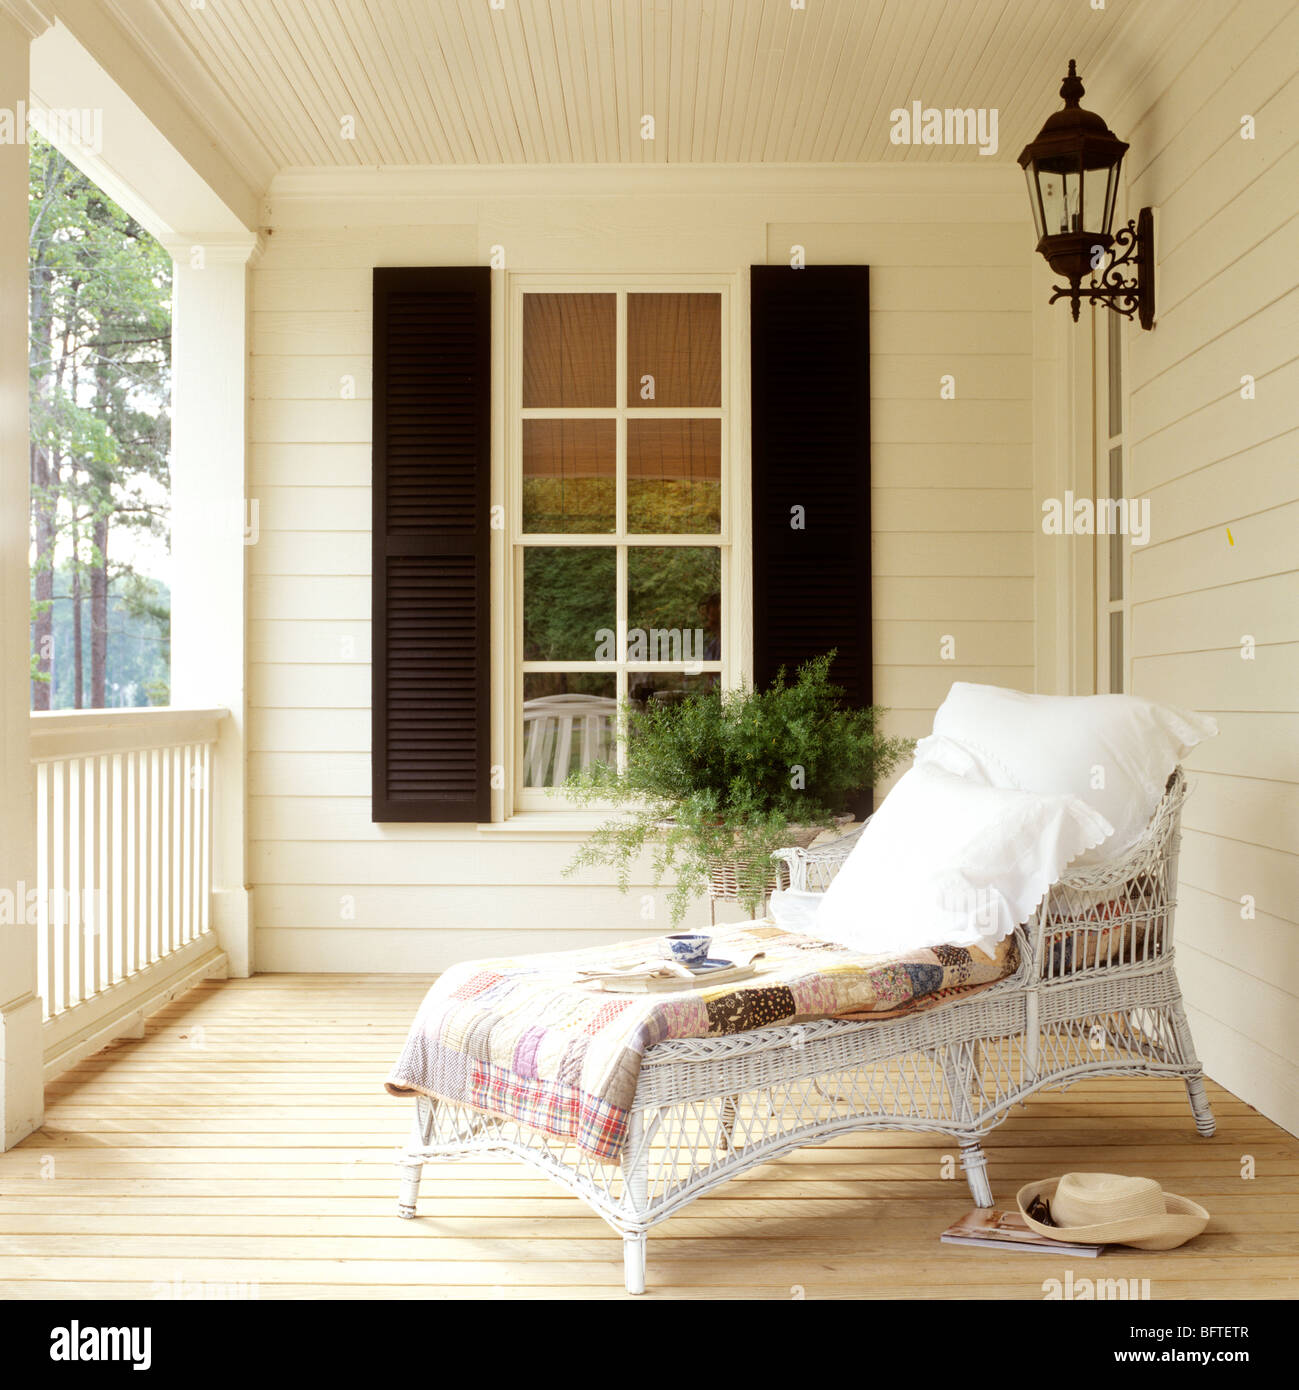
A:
{"points": [[724, 880], [1095, 994]]}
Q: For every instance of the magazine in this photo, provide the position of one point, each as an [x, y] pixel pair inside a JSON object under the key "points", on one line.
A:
{"points": [[1007, 1230]]}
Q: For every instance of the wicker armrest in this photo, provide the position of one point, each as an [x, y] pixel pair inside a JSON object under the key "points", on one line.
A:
{"points": [[810, 870], [1118, 912]]}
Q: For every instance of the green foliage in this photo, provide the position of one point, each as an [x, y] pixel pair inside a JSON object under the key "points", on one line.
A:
{"points": [[724, 776], [139, 627], [570, 594], [99, 314]]}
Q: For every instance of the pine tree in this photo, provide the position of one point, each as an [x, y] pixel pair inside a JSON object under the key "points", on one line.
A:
{"points": [[100, 316]]}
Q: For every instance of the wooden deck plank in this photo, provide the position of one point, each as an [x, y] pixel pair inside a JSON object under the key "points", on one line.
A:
{"points": [[246, 1140]]}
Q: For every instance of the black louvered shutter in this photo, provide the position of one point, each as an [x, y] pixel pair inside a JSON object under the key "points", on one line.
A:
{"points": [[811, 450], [432, 462]]}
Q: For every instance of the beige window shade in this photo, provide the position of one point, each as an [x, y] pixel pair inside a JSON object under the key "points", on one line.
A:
{"points": [[675, 340], [569, 350]]}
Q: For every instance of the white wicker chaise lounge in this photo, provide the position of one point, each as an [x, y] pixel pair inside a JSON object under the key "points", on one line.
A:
{"points": [[1095, 994]]}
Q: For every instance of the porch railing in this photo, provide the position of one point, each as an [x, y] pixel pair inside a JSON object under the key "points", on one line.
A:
{"points": [[124, 854]]}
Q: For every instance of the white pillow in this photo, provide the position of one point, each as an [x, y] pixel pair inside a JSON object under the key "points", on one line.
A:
{"points": [[947, 860], [1116, 752], [795, 910]]}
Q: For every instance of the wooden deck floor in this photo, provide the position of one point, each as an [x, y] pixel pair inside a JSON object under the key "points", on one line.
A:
{"points": [[244, 1147]]}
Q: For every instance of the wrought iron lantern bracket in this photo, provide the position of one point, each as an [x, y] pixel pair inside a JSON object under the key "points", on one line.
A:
{"points": [[1134, 245]]}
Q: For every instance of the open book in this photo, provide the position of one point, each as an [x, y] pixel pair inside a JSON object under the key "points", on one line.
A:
{"points": [[658, 973], [1007, 1230]]}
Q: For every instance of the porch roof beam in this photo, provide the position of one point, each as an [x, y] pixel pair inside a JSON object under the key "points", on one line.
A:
{"points": [[150, 155]]}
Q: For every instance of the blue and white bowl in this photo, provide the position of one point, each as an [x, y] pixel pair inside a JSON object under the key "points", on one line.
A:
{"points": [[687, 947]]}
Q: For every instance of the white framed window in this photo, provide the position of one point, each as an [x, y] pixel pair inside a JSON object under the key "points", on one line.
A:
{"points": [[619, 506]]}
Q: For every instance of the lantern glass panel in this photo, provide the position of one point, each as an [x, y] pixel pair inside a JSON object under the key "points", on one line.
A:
{"points": [[1060, 188], [1112, 196], [1098, 199], [1031, 179]]}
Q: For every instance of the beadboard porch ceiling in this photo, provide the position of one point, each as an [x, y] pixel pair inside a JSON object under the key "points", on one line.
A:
{"points": [[461, 82]]}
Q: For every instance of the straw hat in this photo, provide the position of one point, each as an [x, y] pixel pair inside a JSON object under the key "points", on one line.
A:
{"points": [[1106, 1209]]}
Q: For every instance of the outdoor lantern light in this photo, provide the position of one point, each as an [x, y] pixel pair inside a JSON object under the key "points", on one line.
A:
{"points": [[1073, 182]]}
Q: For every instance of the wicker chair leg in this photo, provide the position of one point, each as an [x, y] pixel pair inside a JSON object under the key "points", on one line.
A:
{"points": [[409, 1168], [1200, 1107], [633, 1261], [1204, 1121], [975, 1164], [635, 1172], [409, 1194]]}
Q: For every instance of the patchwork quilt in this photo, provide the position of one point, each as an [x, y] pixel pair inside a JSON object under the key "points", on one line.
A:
{"points": [[522, 1038]]}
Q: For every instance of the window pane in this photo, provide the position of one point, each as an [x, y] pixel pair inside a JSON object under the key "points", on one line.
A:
{"points": [[569, 721], [569, 603], [569, 475], [1116, 653], [674, 603], [674, 341], [674, 476], [667, 687], [1116, 539], [1115, 392], [569, 353]]}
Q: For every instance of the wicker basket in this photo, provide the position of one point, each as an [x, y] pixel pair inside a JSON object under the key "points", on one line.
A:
{"points": [[724, 874]]}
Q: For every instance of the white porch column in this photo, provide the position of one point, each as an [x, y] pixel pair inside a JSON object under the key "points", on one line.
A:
{"points": [[212, 525], [22, 1089]]}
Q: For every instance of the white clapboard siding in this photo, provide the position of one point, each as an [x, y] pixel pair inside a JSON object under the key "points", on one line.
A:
{"points": [[1234, 166], [1224, 679], [335, 643], [314, 508], [900, 463], [1212, 618], [956, 509], [1215, 428], [954, 525], [1212, 372], [917, 553], [950, 422], [310, 378], [1009, 599], [1231, 994], [1259, 545], [1215, 927], [996, 329], [1242, 486], [979, 377], [1232, 868], [1260, 810], [1251, 745], [1211, 460], [309, 465], [911, 245], [315, 247], [910, 642], [308, 552]]}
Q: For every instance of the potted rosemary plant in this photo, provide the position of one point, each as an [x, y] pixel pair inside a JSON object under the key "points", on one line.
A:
{"points": [[717, 781]]}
